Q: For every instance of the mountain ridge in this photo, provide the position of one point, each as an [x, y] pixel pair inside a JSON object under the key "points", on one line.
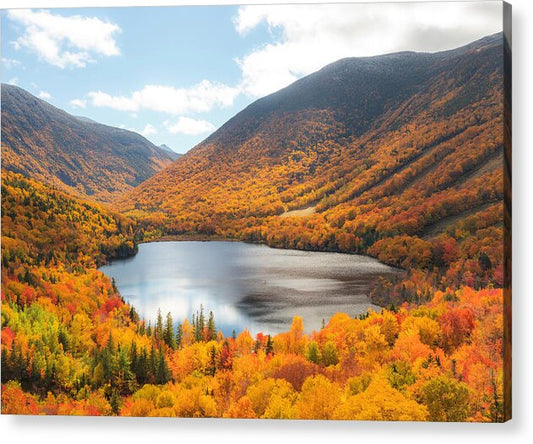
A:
{"points": [[75, 154], [308, 95], [268, 130]]}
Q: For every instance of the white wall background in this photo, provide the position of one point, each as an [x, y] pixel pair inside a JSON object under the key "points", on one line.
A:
{"points": [[44, 430]]}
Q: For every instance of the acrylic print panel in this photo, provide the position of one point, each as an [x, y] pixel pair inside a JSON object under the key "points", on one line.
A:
{"points": [[276, 211]]}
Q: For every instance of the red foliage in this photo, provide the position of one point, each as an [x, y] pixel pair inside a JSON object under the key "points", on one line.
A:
{"points": [[112, 302], [28, 296], [7, 337], [295, 369], [16, 402], [227, 353], [456, 326]]}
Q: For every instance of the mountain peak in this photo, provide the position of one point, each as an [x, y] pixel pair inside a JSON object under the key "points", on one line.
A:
{"points": [[170, 151]]}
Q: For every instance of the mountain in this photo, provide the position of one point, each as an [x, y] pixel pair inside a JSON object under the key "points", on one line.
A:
{"points": [[170, 151], [73, 153], [376, 146]]}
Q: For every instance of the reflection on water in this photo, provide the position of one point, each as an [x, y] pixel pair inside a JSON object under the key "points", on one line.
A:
{"points": [[245, 285]]}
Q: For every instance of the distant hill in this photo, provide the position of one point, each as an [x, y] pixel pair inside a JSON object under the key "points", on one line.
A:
{"points": [[73, 153], [170, 151]]}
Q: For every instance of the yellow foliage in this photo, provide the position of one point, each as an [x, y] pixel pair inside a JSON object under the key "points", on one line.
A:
{"points": [[318, 399], [427, 329], [381, 402], [140, 407]]}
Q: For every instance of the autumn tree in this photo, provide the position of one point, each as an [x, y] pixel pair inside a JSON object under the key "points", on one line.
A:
{"points": [[446, 399], [168, 332]]}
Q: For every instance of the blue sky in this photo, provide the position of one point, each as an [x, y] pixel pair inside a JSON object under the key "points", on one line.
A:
{"points": [[175, 74]]}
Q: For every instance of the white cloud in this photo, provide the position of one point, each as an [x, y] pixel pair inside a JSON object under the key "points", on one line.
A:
{"points": [[148, 130], [127, 128], [201, 97], [65, 42], [104, 100], [188, 126], [311, 36], [44, 95], [9, 63], [13, 81], [78, 103]]}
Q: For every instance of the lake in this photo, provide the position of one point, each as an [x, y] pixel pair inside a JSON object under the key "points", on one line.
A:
{"points": [[245, 285]]}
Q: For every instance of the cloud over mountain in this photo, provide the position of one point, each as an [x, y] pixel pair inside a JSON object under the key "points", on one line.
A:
{"points": [[308, 37], [202, 97]]}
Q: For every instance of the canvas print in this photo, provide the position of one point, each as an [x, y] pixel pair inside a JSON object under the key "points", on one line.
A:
{"points": [[257, 211]]}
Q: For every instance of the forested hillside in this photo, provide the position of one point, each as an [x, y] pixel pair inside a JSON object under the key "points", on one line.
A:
{"points": [[72, 153]]}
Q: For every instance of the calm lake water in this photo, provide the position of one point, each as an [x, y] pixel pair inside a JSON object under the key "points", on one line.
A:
{"points": [[245, 285]]}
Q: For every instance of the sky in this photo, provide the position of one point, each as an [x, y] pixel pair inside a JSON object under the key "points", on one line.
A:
{"points": [[175, 74]]}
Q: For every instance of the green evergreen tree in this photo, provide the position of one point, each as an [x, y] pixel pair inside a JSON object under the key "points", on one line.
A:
{"points": [[109, 360], [134, 356], [158, 330], [484, 261], [152, 365], [269, 345], [162, 373], [211, 326], [212, 367], [201, 323], [195, 328], [179, 335], [124, 378], [141, 369], [133, 315], [114, 285], [115, 402], [168, 333]]}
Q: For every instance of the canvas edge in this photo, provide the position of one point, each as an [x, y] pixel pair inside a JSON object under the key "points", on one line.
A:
{"points": [[507, 167]]}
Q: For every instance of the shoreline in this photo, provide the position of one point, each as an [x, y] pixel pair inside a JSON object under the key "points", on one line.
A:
{"points": [[190, 237]]}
